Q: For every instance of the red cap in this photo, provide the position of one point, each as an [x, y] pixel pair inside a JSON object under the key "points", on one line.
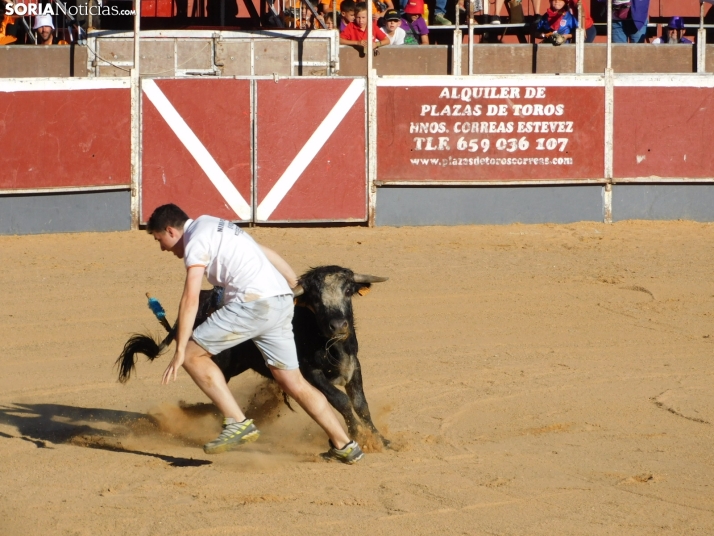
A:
{"points": [[414, 7]]}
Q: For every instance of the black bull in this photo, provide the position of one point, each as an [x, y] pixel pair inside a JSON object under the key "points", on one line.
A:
{"points": [[325, 338]]}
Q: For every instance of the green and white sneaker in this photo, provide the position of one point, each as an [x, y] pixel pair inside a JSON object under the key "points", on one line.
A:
{"points": [[440, 20], [233, 435], [350, 453]]}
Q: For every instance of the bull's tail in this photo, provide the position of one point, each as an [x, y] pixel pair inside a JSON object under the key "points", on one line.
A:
{"points": [[140, 344]]}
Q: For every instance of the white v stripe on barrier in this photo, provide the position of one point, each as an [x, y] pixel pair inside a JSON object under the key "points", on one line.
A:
{"points": [[194, 146], [310, 150]]}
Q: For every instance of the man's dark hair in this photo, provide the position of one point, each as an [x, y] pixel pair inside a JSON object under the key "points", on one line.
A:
{"points": [[166, 216], [347, 5]]}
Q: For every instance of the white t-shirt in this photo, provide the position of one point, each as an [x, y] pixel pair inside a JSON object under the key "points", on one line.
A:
{"points": [[398, 39], [233, 260]]}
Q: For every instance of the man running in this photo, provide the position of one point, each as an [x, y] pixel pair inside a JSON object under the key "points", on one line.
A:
{"points": [[258, 305]]}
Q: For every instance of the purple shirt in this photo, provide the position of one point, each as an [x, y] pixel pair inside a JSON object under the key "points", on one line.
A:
{"points": [[419, 27], [639, 11]]}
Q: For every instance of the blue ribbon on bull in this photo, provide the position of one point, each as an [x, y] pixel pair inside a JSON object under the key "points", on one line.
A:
{"points": [[158, 311]]}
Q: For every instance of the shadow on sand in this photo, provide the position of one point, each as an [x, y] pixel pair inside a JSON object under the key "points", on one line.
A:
{"points": [[84, 427]]}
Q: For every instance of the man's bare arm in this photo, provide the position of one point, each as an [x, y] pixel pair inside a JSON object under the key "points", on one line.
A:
{"points": [[188, 307], [281, 266]]}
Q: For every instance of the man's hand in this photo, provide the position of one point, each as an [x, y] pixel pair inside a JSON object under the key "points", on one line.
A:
{"points": [[186, 318], [173, 367]]}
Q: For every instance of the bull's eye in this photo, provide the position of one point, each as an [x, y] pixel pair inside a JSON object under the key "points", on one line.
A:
{"points": [[348, 292]]}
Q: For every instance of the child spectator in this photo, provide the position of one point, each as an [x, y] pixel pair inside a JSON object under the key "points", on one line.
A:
{"points": [[413, 24], [392, 22], [318, 23], [356, 32], [347, 14], [557, 25], [675, 33], [590, 31], [329, 22], [305, 22]]}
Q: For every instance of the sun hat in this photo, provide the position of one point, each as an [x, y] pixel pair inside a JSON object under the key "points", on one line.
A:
{"points": [[414, 7], [43, 20]]}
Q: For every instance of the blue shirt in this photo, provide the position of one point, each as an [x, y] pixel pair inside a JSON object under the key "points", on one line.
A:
{"points": [[568, 24]]}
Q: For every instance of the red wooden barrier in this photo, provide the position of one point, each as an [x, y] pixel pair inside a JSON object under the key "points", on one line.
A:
{"points": [[64, 134], [196, 140], [663, 132], [310, 150]]}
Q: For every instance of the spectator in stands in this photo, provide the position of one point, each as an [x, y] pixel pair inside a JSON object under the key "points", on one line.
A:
{"points": [[329, 22], [325, 6], [356, 32], [440, 14], [380, 7], [45, 30], [347, 14], [557, 25], [8, 29], [318, 23], [439, 11], [675, 33], [478, 9], [629, 20], [306, 17], [392, 29], [590, 31], [413, 24], [496, 17]]}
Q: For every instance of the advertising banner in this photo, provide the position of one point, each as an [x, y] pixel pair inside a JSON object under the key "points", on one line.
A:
{"points": [[461, 130]]}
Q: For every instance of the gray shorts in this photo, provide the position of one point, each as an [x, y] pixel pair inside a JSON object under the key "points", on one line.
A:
{"points": [[268, 322]]}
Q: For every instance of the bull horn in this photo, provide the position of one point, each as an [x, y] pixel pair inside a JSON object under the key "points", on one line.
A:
{"points": [[364, 278], [298, 291]]}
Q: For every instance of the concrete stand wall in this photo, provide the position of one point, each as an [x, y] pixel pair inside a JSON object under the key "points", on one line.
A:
{"points": [[65, 212], [411, 205], [663, 202], [487, 205]]}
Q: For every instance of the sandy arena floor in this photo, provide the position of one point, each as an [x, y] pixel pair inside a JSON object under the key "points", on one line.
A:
{"points": [[534, 379]]}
